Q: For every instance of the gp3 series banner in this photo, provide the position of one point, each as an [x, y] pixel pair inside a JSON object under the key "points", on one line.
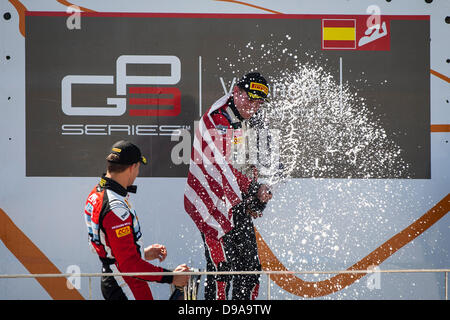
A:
{"points": [[146, 77]]}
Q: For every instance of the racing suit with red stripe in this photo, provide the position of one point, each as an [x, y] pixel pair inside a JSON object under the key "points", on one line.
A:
{"points": [[115, 235]]}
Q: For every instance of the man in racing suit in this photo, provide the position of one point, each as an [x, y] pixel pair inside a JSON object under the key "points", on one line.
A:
{"points": [[221, 199], [115, 233]]}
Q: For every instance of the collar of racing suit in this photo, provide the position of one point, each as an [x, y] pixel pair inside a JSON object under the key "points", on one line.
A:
{"points": [[234, 109], [111, 184]]}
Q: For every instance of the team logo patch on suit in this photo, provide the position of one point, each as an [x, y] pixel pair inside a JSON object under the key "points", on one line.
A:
{"points": [[122, 232], [89, 208]]}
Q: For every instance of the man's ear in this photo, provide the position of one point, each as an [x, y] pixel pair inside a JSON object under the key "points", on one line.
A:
{"points": [[236, 90]]}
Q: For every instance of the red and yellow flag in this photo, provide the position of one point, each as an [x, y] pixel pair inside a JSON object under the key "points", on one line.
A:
{"points": [[338, 33]]}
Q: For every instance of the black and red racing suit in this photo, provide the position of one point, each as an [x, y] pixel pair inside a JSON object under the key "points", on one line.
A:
{"points": [[115, 235], [237, 249]]}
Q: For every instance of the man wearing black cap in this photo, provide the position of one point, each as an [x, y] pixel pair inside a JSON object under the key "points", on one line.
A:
{"points": [[115, 233], [221, 199]]}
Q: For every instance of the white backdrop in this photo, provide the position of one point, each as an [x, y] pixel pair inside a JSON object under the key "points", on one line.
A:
{"points": [[50, 210]]}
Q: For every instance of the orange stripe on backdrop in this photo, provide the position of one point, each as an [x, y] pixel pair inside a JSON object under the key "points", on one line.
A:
{"points": [[68, 4], [34, 260], [440, 128], [440, 75], [250, 5], [299, 287], [21, 11]]}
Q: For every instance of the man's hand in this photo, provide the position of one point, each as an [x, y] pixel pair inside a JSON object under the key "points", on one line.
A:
{"points": [[255, 202], [264, 193], [155, 251], [181, 280], [254, 214]]}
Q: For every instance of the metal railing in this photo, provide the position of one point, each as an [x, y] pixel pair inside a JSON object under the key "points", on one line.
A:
{"points": [[266, 273]]}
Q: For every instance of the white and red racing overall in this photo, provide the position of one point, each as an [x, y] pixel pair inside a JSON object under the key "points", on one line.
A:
{"points": [[115, 235]]}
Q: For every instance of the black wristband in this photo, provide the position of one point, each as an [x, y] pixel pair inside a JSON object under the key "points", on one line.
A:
{"points": [[166, 278]]}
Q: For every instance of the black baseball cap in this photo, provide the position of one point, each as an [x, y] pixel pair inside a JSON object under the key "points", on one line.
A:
{"points": [[255, 85], [128, 153]]}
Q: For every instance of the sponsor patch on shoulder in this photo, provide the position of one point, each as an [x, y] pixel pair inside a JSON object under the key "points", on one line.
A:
{"points": [[89, 208], [121, 212], [93, 198]]}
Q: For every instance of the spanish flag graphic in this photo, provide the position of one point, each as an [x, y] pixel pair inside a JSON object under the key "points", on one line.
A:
{"points": [[338, 34]]}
